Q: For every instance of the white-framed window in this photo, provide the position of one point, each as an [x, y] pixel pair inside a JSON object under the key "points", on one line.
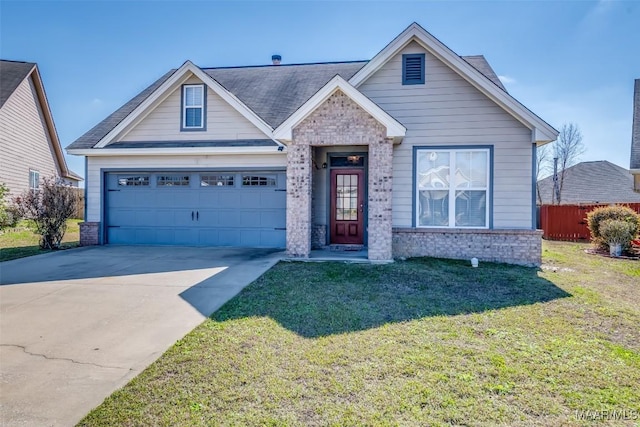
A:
{"points": [[452, 187], [193, 107], [34, 179]]}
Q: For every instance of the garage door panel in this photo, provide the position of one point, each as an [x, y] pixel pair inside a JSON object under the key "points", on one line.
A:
{"points": [[169, 218], [273, 238], [208, 198], [272, 219], [229, 237], [273, 201], [233, 214], [228, 199], [229, 218]]}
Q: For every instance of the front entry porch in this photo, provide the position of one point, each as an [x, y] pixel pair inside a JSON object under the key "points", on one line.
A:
{"points": [[339, 181]]}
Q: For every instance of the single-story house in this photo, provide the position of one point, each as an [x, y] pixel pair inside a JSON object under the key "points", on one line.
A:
{"points": [[29, 146], [416, 152], [592, 182]]}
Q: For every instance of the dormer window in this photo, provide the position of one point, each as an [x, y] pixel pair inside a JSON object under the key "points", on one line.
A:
{"points": [[193, 107], [413, 69]]}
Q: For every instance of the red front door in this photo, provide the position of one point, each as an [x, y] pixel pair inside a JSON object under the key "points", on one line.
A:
{"points": [[347, 206]]}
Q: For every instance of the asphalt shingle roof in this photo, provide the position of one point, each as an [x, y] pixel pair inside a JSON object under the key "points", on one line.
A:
{"points": [[12, 73], [635, 132], [272, 92], [593, 182], [479, 62], [276, 92]]}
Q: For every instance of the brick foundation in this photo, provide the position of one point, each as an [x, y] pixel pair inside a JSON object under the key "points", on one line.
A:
{"points": [[318, 236], [522, 247], [89, 233]]}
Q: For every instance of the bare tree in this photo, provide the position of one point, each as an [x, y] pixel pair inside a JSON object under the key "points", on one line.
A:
{"points": [[543, 157], [567, 149]]}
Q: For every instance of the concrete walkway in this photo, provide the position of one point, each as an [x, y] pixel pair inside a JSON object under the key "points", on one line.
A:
{"points": [[77, 325]]}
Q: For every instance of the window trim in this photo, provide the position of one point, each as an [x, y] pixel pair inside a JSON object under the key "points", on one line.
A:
{"points": [[423, 72], [183, 108], [36, 180], [452, 149]]}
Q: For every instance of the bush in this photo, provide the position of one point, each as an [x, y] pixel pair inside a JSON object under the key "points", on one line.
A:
{"points": [[598, 216], [617, 232], [49, 207], [9, 215]]}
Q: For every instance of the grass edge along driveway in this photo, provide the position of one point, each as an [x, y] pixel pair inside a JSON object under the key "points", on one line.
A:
{"points": [[20, 242], [420, 342]]}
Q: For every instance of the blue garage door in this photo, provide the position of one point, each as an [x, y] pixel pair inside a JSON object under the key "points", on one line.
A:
{"points": [[243, 209]]}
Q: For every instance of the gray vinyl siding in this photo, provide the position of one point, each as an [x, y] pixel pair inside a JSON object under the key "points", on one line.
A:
{"points": [[24, 140], [447, 110], [163, 123], [160, 163]]}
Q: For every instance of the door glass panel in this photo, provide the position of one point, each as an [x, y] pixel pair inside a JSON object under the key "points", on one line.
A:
{"points": [[346, 197]]}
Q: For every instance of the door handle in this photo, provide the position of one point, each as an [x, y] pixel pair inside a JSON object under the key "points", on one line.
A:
{"points": [[197, 215], [361, 207], [191, 215]]}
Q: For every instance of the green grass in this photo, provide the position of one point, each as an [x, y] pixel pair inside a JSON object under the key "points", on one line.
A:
{"points": [[20, 242], [420, 342]]}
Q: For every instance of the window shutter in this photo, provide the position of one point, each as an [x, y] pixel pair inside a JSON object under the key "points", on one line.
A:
{"points": [[413, 69]]}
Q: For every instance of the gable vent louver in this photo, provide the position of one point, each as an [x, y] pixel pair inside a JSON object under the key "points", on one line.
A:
{"points": [[413, 69]]}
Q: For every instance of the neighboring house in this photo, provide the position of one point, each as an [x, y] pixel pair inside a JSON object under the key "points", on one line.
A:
{"points": [[29, 145], [592, 182], [635, 137], [416, 152]]}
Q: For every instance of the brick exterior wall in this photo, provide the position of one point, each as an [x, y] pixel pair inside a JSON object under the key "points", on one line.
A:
{"points": [[339, 121], [379, 203], [522, 247], [89, 233], [298, 199]]}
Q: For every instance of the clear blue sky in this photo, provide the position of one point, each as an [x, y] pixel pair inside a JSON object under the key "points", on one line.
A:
{"points": [[572, 61]]}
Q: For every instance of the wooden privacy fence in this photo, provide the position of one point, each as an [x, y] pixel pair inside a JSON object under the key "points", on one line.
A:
{"points": [[569, 222], [80, 203]]}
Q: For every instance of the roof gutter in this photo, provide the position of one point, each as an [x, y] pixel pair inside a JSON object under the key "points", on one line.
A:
{"points": [[175, 151]]}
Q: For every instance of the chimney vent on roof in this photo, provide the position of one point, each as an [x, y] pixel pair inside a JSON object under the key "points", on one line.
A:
{"points": [[276, 59]]}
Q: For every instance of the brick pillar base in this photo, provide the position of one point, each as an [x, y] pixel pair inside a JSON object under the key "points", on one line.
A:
{"points": [[380, 210], [299, 200], [89, 233]]}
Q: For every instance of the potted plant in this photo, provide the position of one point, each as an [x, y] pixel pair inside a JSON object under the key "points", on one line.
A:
{"points": [[617, 234]]}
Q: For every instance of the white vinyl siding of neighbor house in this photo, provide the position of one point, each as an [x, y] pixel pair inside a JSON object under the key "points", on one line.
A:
{"points": [[160, 163], [447, 110], [24, 141], [163, 123]]}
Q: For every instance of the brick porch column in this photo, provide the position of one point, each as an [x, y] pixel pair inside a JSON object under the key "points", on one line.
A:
{"points": [[379, 206], [298, 199]]}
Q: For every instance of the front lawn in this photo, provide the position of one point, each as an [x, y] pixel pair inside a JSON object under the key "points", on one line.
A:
{"points": [[419, 342], [20, 242]]}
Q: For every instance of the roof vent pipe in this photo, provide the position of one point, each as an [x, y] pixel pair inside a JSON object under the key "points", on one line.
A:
{"points": [[276, 59]]}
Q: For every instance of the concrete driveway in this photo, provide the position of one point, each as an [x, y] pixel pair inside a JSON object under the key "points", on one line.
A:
{"points": [[76, 325]]}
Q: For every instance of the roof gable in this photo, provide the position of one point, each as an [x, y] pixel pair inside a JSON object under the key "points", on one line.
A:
{"points": [[542, 131], [394, 128], [165, 88], [12, 74]]}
